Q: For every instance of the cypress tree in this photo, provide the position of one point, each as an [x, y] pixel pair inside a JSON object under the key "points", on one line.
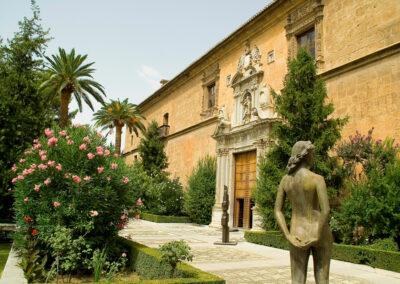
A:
{"points": [[305, 115]]}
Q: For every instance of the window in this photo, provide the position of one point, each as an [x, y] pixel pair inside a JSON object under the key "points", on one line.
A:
{"points": [[211, 95], [165, 119], [131, 139], [307, 41], [271, 56]]}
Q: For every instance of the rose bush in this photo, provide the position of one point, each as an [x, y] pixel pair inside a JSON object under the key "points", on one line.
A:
{"points": [[69, 179]]}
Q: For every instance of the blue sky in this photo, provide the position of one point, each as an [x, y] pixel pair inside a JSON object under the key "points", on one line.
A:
{"points": [[134, 43]]}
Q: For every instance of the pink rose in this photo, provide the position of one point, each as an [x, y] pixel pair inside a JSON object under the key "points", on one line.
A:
{"points": [[87, 178], [43, 158], [76, 179], [26, 199], [47, 181], [22, 161], [139, 202], [100, 170], [59, 167], [99, 151], [125, 180], [82, 147], [14, 168], [35, 141], [42, 152], [70, 142], [51, 163], [106, 152], [48, 132], [37, 187], [93, 213], [52, 141], [42, 166], [20, 177], [33, 166], [86, 139], [37, 146], [114, 166], [63, 133], [14, 180], [56, 203], [90, 156]]}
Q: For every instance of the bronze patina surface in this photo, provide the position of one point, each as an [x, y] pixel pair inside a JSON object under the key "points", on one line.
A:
{"points": [[309, 228], [225, 220]]}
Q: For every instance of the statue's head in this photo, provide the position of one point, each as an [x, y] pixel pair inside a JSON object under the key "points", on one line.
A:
{"points": [[302, 154]]}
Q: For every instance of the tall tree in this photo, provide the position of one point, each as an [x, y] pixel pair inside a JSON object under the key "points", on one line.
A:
{"points": [[69, 74], [305, 116], [119, 114], [24, 110], [151, 150]]}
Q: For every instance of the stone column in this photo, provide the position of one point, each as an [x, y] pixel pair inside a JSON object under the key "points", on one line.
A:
{"points": [[222, 179]]}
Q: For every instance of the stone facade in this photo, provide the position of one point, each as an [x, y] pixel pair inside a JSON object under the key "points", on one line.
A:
{"points": [[220, 104]]}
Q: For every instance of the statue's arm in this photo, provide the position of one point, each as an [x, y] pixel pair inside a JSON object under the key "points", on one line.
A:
{"points": [[279, 216], [323, 205]]}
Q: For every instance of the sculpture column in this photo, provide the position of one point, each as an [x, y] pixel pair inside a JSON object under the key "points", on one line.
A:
{"points": [[221, 180]]}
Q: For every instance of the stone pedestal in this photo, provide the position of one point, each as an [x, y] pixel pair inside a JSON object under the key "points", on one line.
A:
{"points": [[257, 221], [216, 217]]}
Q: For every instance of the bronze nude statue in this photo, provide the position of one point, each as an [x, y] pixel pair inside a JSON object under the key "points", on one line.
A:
{"points": [[309, 228]]}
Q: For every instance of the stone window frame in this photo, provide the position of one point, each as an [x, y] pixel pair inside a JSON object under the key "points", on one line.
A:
{"points": [[210, 77], [301, 19]]}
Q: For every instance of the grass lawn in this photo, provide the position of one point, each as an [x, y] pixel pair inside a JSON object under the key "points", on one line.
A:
{"points": [[4, 250]]}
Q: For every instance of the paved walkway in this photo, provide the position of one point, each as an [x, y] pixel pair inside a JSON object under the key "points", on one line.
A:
{"points": [[246, 262]]}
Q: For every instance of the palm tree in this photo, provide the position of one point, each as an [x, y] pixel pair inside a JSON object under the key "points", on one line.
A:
{"points": [[67, 75], [118, 114]]}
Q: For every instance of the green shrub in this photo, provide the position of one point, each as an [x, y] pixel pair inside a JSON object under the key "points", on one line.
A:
{"points": [[175, 252], [164, 219], [71, 196], [147, 263], [356, 254], [200, 196]]}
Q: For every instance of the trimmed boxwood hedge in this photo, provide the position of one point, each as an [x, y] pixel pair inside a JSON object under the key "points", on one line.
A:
{"points": [[388, 260], [147, 263], [164, 219]]}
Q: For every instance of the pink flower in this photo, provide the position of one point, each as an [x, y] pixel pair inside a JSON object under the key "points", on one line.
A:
{"points": [[87, 178], [56, 203], [42, 166], [43, 158], [26, 172], [14, 180], [47, 181], [125, 180], [42, 152], [48, 132], [86, 139], [59, 167], [83, 147], [76, 179], [37, 146], [93, 213], [70, 142], [35, 141], [90, 156], [26, 199], [22, 161], [14, 168], [63, 133], [100, 170], [33, 166], [51, 163], [106, 152], [114, 166], [99, 151], [52, 141], [139, 202], [20, 177], [37, 187]]}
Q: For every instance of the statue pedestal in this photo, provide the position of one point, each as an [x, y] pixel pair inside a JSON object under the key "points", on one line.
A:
{"points": [[216, 217], [257, 221]]}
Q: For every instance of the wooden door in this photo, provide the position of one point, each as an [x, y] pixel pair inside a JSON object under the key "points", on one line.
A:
{"points": [[245, 181]]}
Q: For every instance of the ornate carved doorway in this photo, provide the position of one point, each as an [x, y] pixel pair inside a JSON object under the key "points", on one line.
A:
{"points": [[245, 180]]}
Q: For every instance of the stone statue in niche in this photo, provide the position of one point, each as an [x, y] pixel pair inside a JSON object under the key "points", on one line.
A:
{"points": [[246, 106], [245, 59], [309, 226], [255, 54]]}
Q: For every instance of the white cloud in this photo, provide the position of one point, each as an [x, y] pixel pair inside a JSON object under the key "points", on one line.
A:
{"points": [[150, 75]]}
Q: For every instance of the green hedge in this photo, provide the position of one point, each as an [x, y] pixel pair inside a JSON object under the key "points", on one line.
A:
{"points": [[164, 219], [147, 263], [388, 260]]}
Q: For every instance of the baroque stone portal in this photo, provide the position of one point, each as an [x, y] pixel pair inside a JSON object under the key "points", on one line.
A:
{"points": [[309, 228]]}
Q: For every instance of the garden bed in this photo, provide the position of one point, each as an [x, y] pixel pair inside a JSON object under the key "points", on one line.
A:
{"points": [[388, 260], [147, 263], [164, 219]]}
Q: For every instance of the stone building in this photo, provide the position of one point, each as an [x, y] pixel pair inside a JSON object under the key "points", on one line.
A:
{"points": [[221, 105]]}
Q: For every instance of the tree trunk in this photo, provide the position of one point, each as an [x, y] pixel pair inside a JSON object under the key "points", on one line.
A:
{"points": [[118, 134], [65, 98]]}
